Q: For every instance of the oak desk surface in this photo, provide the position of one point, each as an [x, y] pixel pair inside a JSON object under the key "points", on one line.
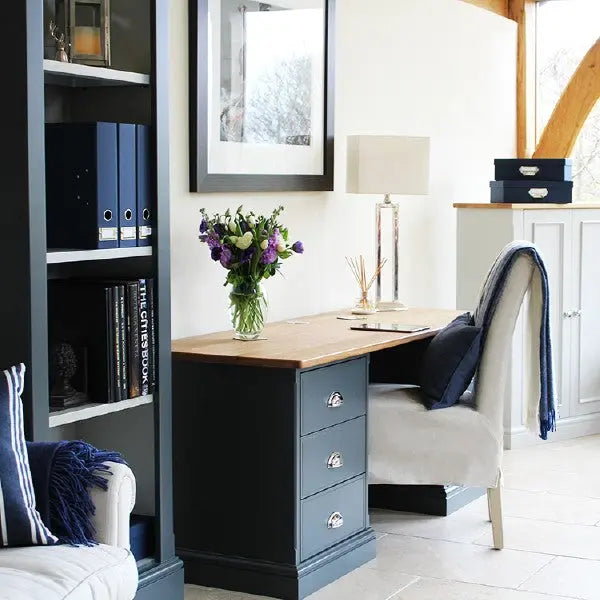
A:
{"points": [[322, 340]]}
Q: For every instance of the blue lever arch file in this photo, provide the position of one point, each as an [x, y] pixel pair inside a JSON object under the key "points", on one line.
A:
{"points": [[127, 186], [82, 185], [144, 196]]}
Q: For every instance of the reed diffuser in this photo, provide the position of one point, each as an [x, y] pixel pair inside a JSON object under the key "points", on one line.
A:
{"points": [[357, 266]]}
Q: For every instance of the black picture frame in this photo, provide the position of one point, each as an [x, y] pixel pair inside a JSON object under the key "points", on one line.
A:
{"points": [[203, 181]]}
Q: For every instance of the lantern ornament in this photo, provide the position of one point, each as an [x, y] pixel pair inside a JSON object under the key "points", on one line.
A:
{"points": [[87, 26]]}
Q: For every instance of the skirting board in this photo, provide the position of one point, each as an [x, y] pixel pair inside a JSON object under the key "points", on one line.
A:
{"points": [[289, 582], [164, 581], [435, 500], [566, 429]]}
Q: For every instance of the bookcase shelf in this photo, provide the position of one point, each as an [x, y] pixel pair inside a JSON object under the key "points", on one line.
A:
{"points": [[91, 410], [54, 257], [74, 75]]}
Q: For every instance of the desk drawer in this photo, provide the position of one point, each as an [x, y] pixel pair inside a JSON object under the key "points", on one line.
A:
{"points": [[332, 395], [332, 456], [332, 516]]}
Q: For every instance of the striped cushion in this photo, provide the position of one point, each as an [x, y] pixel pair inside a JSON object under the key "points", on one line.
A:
{"points": [[20, 522]]}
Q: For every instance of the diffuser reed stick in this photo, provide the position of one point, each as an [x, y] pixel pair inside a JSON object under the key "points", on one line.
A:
{"points": [[359, 271]]}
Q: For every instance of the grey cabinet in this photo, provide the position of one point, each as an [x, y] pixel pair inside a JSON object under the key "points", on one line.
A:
{"points": [[270, 475], [569, 240]]}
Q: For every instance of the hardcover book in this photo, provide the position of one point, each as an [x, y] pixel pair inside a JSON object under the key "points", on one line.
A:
{"points": [[133, 339], [144, 338]]}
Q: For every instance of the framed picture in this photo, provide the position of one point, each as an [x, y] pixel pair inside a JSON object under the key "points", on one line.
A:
{"points": [[261, 95]]}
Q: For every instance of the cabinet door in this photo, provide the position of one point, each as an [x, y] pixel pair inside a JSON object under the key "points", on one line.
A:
{"points": [[585, 341], [551, 231]]}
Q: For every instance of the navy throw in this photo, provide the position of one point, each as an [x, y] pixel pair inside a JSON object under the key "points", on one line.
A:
{"points": [[63, 475], [492, 293]]}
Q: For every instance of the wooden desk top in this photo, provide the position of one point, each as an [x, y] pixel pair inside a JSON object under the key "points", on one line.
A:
{"points": [[323, 340]]}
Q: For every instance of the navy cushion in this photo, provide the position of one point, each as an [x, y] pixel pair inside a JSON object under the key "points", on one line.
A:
{"points": [[20, 522], [450, 362]]}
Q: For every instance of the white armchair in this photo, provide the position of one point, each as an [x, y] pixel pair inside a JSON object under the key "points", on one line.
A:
{"points": [[107, 571], [461, 445]]}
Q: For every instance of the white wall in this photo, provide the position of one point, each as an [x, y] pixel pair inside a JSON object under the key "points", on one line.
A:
{"points": [[441, 68]]}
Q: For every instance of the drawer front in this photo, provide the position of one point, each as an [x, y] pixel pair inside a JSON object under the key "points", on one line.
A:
{"points": [[332, 456], [332, 395], [332, 516]]}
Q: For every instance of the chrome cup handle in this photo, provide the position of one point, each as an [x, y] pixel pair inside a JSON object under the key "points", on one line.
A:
{"points": [[335, 461], [335, 400], [335, 521]]}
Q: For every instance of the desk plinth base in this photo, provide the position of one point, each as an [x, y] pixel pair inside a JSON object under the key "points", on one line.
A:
{"points": [[289, 582]]}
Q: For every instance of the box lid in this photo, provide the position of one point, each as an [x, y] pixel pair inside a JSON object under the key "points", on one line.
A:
{"points": [[567, 162], [529, 183]]}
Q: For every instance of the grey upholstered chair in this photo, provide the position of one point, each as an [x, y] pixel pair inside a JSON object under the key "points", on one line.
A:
{"points": [[461, 445]]}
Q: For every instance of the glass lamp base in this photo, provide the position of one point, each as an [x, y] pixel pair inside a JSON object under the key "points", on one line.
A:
{"points": [[395, 305]]}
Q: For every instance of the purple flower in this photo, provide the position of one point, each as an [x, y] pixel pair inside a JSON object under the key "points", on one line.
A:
{"points": [[247, 255], [298, 247], [269, 256], [216, 252], [213, 240], [226, 256], [220, 229], [203, 226]]}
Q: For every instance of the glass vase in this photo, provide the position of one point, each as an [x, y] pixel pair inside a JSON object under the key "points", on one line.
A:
{"points": [[248, 308]]}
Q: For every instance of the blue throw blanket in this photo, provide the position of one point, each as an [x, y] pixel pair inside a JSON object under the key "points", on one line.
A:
{"points": [[63, 474], [491, 294]]}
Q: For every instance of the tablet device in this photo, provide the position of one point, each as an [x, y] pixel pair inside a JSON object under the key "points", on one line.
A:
{"points": [[394, 327]]}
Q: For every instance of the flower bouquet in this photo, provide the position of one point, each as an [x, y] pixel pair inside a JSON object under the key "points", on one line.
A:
{"points": [[251, 247]]}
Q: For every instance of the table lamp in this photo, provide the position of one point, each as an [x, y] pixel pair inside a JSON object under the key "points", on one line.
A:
{"points": [[388, 164]]}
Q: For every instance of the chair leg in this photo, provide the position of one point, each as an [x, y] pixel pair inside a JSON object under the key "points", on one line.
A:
{"points": [[495, 507]]}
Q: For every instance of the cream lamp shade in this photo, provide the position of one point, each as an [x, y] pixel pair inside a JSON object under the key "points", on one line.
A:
{"points": [[388, 164]]}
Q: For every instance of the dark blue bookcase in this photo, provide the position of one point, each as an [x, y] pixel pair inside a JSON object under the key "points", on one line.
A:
{"points": [[41, 90]]}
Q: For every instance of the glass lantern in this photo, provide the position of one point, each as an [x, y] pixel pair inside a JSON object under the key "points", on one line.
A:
{"points": [[87, 27]]}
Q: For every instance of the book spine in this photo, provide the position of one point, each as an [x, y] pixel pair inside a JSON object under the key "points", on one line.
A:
{"points": [[123, 342], [110, 345], [144, 339], [152, 335], [133, 339], [117, 361]]}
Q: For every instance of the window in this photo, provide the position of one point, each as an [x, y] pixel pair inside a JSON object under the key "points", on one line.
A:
{"points": [[566, 30]]}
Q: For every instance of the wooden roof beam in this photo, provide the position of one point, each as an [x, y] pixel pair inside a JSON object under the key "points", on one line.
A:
{"points": [[499, 7], [573, 108]]}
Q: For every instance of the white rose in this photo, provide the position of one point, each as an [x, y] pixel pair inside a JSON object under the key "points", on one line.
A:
{"points": [[281, 247], [233, 238], [264, 244], [232, 226], [244, 242], [251, 221], [222, 220]]}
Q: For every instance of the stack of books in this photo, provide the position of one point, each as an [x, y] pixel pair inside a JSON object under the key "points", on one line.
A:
{"points": [[112, 324]]}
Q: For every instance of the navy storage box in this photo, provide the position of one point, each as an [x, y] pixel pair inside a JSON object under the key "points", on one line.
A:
{"points": [[531, 192], [141, 533], [538, 169]]}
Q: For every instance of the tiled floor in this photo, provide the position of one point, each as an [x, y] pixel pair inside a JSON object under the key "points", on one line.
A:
{"points": [[552, 534]]}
